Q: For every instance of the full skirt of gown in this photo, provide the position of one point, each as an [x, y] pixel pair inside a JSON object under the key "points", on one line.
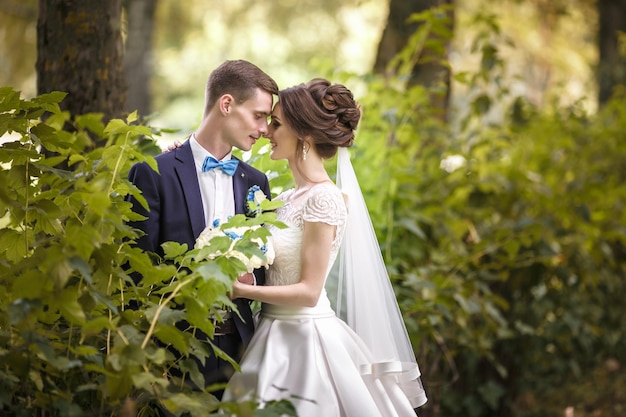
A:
{"points": [[313, 359]]}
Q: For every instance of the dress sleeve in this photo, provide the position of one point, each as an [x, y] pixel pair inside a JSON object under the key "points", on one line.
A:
{"points": [[325, 204]]}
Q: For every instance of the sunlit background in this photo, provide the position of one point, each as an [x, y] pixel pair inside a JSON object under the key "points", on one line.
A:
{"points": [[296, 40]]}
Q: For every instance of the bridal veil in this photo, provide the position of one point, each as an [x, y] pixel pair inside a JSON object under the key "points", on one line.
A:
{"points": [[363, 297]]}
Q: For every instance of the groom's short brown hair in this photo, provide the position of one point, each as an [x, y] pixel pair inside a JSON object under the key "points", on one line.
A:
{"points": [[240, 79]]}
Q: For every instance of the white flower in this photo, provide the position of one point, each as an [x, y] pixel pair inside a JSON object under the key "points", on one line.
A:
{"points": [[235, 234], [452, 162]]}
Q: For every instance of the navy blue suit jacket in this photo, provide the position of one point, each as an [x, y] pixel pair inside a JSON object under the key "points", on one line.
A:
{"points": [[176, 213]]}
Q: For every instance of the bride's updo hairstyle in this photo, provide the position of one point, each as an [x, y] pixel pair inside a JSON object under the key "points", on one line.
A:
{"points": [[325, 112]]}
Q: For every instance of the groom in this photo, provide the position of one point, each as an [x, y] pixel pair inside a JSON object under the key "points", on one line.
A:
{"points": [[201, 181]]}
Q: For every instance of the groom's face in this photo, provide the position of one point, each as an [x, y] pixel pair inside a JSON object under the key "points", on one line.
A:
{"points": [[247, 121]]}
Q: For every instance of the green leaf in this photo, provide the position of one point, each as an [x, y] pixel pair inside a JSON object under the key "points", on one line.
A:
{"points": [[53, 97], [12, 245], [167, 316], [31, 284], [146, 380], [35, 378], [67, 303], [132, 117], [91, 122], [212, 271], [119, 384], [9, 99], [173, 250], [171, 335], [95, 326], [195, 403]]}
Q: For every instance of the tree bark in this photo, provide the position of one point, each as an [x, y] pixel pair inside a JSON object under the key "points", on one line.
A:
{"points": [[138, 54], [612, 64], [427, 71], [79, 51]]}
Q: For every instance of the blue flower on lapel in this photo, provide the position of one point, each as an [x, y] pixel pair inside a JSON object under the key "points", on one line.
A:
{"points": [[254, 198]]}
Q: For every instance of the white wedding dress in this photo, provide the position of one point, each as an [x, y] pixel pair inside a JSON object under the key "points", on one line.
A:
{"points": [[307, 354]]}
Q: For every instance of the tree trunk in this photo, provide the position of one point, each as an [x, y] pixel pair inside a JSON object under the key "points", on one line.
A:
{"points": [[138, 54], [612, 65], [427, 71], [79, 51]]}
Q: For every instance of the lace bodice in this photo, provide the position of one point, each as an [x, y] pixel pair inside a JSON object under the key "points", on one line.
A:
{"points": [[321, 203]]}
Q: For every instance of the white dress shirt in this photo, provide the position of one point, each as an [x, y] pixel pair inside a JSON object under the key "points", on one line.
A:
{"points": [[216, 187]]}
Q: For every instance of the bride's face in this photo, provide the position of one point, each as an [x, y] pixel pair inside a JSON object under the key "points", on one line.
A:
{"points": [[282, 138]]}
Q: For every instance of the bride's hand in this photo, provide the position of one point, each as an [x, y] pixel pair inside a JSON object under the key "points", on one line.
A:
{"points": [[237, 287], [172, 146]]}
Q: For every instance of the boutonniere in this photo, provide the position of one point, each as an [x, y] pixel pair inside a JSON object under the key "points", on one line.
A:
{"points": [[254, 199]]}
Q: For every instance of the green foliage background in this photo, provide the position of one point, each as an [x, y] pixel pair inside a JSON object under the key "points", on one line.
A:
{"points": [[509, 265]]}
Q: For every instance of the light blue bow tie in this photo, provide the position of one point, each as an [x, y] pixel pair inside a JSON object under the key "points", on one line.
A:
{"points": [[229, 167]]}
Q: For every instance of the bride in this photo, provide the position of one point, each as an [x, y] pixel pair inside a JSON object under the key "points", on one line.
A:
{"points": [[327, 265]]}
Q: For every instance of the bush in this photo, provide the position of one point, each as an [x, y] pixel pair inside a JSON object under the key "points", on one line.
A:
{"points": [[69, 344], [505, 239]]}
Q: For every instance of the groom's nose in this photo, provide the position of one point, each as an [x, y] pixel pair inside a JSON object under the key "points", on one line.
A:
{"points": [[263, 128]]}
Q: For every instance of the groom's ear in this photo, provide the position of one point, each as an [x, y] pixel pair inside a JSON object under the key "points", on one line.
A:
{"points": [[225, 104]]}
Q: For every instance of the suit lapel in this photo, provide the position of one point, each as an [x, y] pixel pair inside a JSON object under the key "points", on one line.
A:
{"points": [[240, 182], [186, 171]]}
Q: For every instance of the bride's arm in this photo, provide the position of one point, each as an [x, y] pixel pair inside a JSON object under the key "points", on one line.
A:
{"points": [[317, 240]]}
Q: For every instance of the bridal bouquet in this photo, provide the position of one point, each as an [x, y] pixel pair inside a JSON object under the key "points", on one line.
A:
{"points": [[254, 252]]}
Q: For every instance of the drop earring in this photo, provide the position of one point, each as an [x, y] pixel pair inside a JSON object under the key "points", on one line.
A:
{"points": [[304, 151]]}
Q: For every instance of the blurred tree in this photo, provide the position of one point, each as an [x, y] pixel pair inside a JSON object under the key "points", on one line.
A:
{"points": [[612, 47], [79, 51], [138, 54], [17, 43], [428, 69]]}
